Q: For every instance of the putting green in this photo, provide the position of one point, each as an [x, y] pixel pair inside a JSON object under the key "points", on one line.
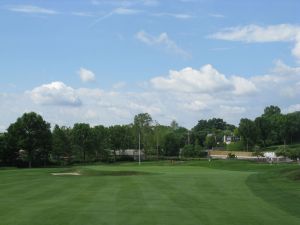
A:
{"points": [[220, 192]]}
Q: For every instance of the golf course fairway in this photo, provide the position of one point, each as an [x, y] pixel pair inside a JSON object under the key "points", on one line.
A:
{"points": [[184, 193]]}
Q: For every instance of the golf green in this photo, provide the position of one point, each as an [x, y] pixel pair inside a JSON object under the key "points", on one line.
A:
{"points": [[219, 192]]}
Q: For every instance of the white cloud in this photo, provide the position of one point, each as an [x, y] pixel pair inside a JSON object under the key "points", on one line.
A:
{"points": [[296, 49], [279, 75], [205, 80], [83, 14], [227, 109], [243, 86], [122, 11], [86, 75], [186, 95], [183, 16], [32, 9], [196, 105], [55, 93], [119, 85], [254, 33], [162, 40], [127, 3], [125, 11], [293, 108]]}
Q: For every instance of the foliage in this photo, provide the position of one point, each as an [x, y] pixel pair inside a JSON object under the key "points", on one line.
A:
{"points": [[235, 146], [210, 141], [231, 155], [258, 153], [292, 153], [215, 127], [248, 132], [82, 142], [31, 134], [188, 151], [172, 144], [61, 144]]}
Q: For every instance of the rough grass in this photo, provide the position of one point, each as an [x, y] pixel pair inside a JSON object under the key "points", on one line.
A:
{"points": [[199, 192]]}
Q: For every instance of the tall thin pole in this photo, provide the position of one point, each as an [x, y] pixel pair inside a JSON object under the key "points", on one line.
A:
{"points": [[139, 148], [157, 146]]}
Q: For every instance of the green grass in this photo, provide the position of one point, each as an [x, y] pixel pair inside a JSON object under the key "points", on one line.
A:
{"points": [[197, 192]]}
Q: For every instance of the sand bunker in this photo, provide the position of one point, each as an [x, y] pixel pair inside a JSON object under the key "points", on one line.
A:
{"points": [[66, 174]]}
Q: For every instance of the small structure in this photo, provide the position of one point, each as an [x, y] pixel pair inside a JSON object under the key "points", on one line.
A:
{"points": [[228, 139], [216, 154], [134, 153]]}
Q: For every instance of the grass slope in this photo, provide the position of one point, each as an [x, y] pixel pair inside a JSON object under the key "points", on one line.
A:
{"points": [[220, 192]]}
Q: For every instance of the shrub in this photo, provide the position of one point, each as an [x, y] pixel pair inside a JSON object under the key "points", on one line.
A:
{"points": [[235, 146], [231, 156], [188, 151], [292, 153]]}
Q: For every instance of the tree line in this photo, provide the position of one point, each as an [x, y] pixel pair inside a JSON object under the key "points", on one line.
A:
{"points": [[31, 142]]}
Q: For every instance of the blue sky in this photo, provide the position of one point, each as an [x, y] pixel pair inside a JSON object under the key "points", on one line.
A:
{"points": [[103, 61]]}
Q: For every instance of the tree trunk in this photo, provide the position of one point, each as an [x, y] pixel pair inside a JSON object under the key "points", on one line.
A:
{"points": [[29, 164]]}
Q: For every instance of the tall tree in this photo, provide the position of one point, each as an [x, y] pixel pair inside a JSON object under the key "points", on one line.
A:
{"points": [[61, 143], [271, 111], [142, 125], [174, 125], [172, 144], [248, 131], [2, 147], [82, 139], [263, 129], [100, 141], [33, 135]]}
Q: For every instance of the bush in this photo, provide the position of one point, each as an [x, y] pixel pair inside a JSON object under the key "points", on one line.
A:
{"points": [[188, 151], [235, 146], [258, 153], [292, 153], [231, 156], [193, 151]]}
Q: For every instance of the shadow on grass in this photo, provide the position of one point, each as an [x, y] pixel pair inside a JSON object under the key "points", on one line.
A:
{"points": [[278, 188]]}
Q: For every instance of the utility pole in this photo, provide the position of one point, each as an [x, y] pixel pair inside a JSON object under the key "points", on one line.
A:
{"points": [[139, 147]]}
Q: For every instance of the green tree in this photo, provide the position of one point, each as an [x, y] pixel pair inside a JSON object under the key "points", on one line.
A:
{"points": [[82, 139], [142, 126], [263, 129], [210, 141], [2, 147], [174, 125], [293, 120], [61, 144], [172, 144], [284, 128], [248, 132], [100, 136], [33, 135], [270, 111], [188, 151], [160, 133]]}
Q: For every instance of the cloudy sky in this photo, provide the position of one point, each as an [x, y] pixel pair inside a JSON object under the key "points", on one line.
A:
{"points": [[104, 61]]}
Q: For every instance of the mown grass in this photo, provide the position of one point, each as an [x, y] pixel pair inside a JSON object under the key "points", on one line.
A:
{"points": [[196, 192]]}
